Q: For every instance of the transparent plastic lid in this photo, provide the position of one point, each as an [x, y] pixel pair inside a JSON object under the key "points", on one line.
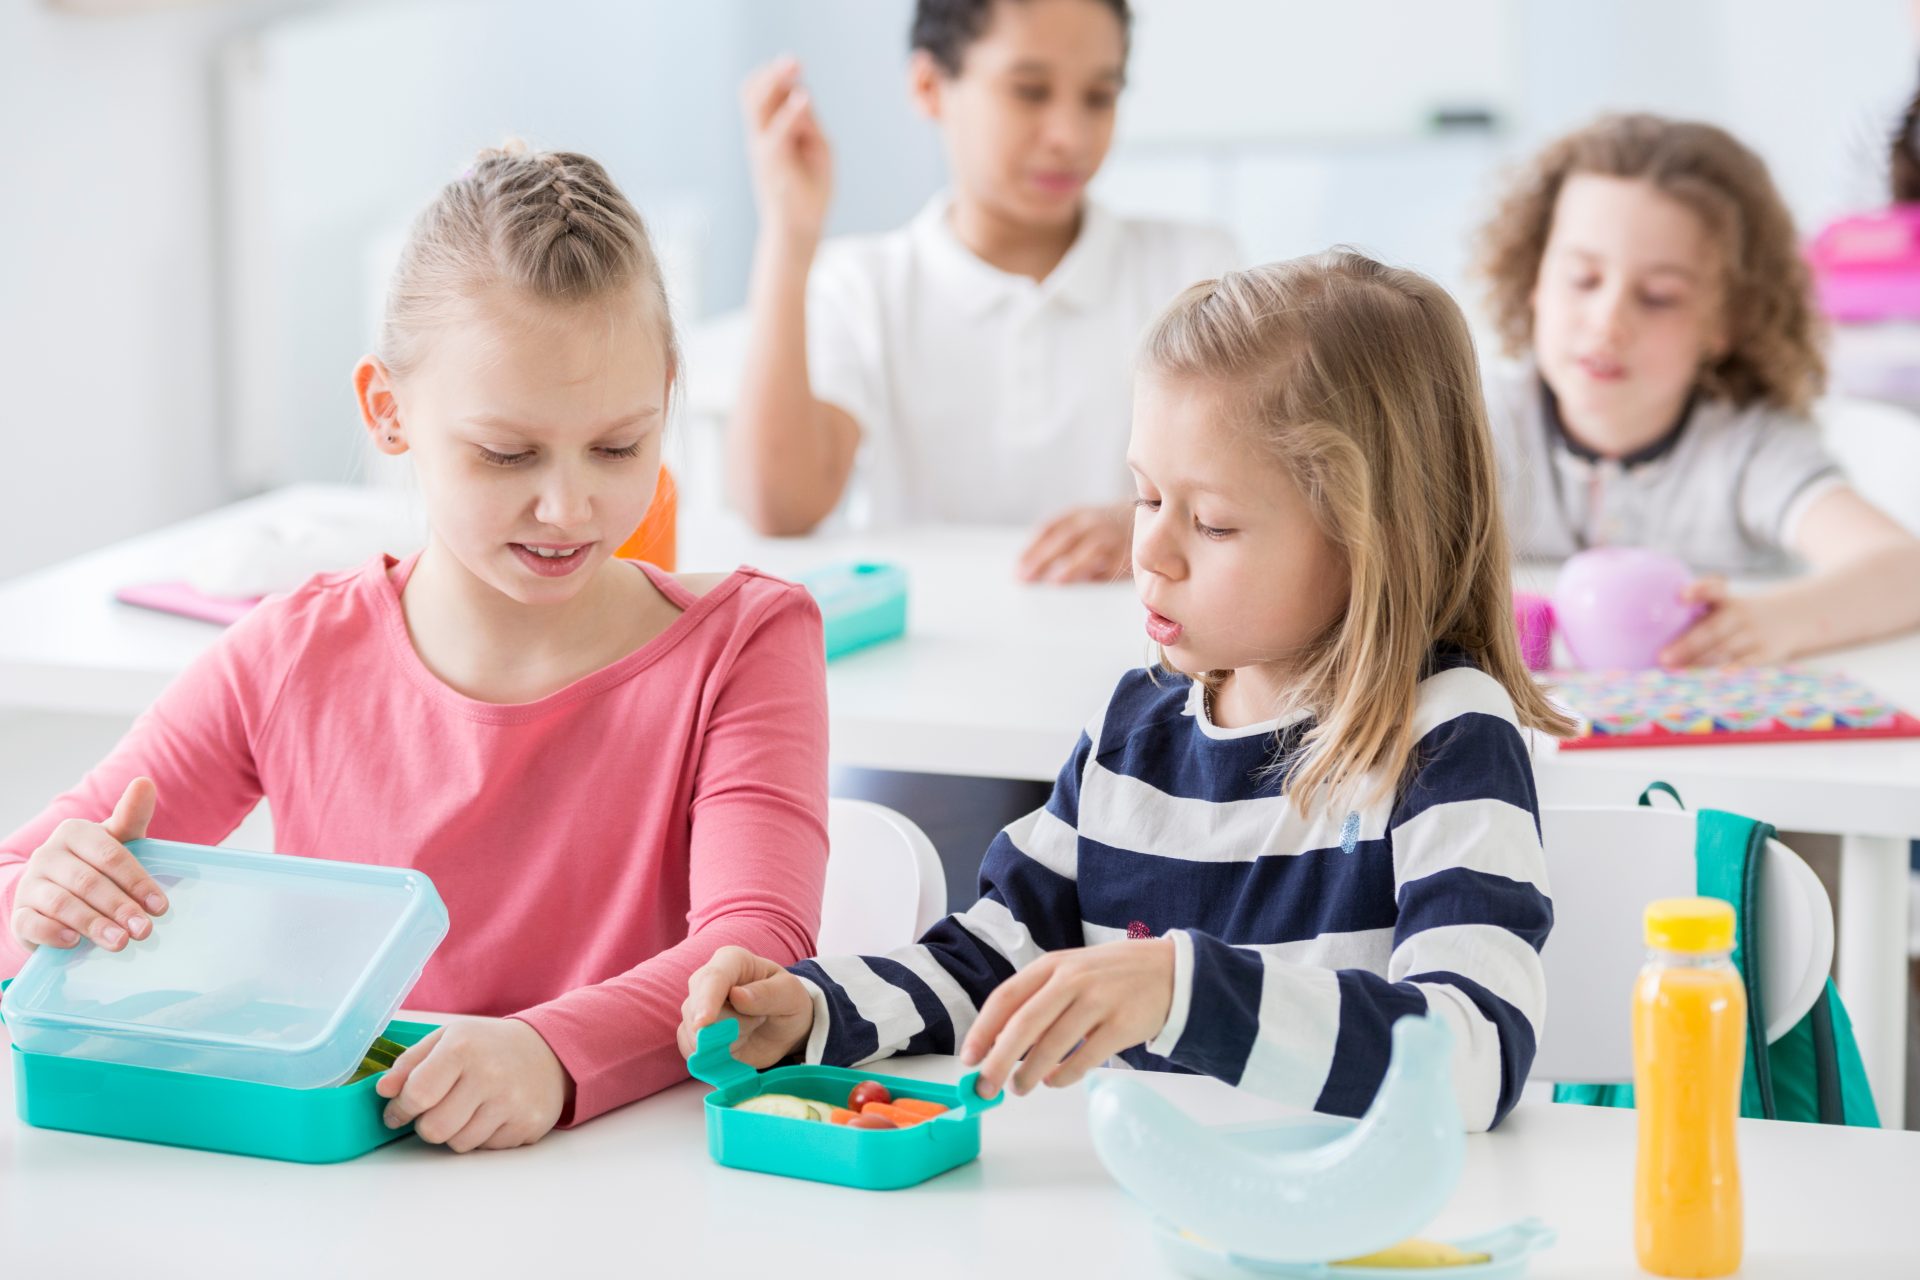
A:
{"points": [[274, 969]]}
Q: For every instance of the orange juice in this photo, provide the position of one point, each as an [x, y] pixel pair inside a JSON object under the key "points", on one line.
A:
{"points": [[1689, 1049]]}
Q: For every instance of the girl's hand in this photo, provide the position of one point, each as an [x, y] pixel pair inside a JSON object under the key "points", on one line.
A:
{"points": [[1737, 630], [787, 152], [83, 883], [1102, 999], [1086, 544], [488, 1082], [775, 1008]]}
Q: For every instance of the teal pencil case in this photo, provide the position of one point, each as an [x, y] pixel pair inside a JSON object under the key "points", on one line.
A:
{"points": [[820, 1150], [860, 604], [182, 1109]]}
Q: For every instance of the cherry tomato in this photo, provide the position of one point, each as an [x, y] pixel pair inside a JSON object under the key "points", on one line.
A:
{"points": [[864, 1121], [867, 1091]]}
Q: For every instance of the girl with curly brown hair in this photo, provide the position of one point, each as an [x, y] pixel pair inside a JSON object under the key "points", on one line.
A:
{"points": [[1645, 274]]}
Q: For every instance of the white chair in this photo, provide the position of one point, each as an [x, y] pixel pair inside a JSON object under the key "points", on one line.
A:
{"points": [[885, 886], [1603, 867], [1878, 445]]}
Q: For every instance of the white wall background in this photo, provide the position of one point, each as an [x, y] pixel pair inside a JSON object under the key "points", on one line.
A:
{"points": [[118, 332]]}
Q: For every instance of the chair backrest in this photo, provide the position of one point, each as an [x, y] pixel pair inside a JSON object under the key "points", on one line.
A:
{"points": [[1878, 445], [885, 886], [1603, 867]]}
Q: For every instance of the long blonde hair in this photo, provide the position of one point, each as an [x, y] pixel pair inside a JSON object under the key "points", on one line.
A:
{"points": [[549, 225], [1361, 380]]}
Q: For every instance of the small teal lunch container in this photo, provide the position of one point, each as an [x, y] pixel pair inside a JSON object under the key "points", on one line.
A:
{"points": [[870, 1159], [860, 604]]}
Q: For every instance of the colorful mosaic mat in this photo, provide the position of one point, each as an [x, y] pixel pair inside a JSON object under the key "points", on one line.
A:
{"points": [[1712, 706]]}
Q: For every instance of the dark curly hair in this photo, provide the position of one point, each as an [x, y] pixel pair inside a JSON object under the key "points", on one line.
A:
{"points": [[1774, 353], [944, 28]]}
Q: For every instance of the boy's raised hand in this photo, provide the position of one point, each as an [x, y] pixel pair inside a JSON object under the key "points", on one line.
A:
{"points": [[83, 883], [481, 1082], [787, 151], [774, 1008], [1101, 999]]}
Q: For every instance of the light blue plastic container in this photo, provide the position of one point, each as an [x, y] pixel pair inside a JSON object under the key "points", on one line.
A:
{"points": [[860, 604], [1300, 1193], [271, 969]]}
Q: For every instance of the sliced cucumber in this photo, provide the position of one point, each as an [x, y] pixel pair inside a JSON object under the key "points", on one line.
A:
{"points": [[785, 1104]]}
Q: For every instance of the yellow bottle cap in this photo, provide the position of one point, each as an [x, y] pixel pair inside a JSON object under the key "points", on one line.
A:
{"points": [[1690, 924]]}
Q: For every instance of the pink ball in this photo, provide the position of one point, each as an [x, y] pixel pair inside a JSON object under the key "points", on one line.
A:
{"points": [[1618, 607]]}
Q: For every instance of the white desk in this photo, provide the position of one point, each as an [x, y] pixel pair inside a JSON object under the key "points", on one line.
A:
{"points": [[997, 679], [634, 1194]]}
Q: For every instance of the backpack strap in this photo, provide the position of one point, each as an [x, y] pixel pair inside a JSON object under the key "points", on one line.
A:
{"points": [[1664, 788], [1728, 854], [1826, 1061]]}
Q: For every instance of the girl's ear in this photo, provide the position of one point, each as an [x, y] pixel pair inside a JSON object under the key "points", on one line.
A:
{"points": [[926, 82], [379, 407]]}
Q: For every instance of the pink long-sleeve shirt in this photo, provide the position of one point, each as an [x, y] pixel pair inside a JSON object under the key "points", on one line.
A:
{"points": [[593, 847]]}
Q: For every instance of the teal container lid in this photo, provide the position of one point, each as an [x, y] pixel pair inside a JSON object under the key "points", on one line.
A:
{"points": [[266, 968]]}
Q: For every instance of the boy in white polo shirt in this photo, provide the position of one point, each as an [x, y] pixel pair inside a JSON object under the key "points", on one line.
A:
{"points": [[972, 366], [1648, 273]]}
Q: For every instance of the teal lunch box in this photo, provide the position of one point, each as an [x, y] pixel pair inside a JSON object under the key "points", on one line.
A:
{"points": [[871, 1159], [115, 1100], [860, 604]]}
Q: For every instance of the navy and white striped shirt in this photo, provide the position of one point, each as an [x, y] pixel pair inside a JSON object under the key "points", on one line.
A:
{"points": [[1299, 938]]}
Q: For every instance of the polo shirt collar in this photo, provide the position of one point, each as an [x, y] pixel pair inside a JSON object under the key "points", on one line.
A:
{"points": [[1563, 442], [1083, 279]]}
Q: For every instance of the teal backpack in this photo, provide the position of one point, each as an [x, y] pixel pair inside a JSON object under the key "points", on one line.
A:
{"points": [[1813, 1072]]}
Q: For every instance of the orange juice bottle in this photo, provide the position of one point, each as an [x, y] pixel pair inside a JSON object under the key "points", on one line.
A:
{"points": [[1689, 1048]]}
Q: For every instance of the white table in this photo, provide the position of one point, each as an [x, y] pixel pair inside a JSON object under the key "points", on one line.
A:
{"points": [[996, 679], [634, 1194]]}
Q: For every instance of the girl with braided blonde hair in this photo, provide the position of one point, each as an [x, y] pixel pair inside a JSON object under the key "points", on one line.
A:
{"points": [[609, 771]]}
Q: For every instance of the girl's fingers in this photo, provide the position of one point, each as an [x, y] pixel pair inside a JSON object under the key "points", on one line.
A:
{"points": [[96, 888], [478, 1131], [37, 930], [395, 1076], [1095, 1048], [447, 1117], [424, 1085], [100, 849], [507, 1137], [130, 817], [1053, 1046], [1022, 1031], [56, 902], [1000, 1006]]}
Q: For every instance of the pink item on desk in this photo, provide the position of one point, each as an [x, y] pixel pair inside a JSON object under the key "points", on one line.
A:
{"points": [[1618, 607], [178, 597], [1866, 267], [1533, 619]]}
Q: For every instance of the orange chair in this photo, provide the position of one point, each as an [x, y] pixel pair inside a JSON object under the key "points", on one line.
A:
{"points": [[655, 540]]}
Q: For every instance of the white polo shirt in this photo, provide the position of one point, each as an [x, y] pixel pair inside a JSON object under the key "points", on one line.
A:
{"points": [[985, 397], [1724, 490]]}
